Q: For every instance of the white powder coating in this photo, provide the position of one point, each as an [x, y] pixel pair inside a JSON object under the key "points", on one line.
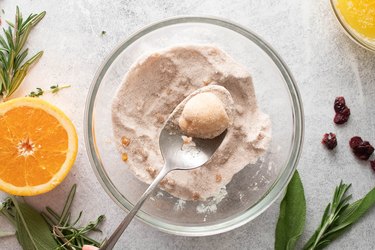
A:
{"points": [[211, 207], [204, 116], [151, 90]]}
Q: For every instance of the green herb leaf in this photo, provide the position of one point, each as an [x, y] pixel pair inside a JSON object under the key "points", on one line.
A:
{"points": [[292, 215], [357, 209], [37, 93], [57, 88], [53, 89], [32, 231], [68, 204], [5, 234], [8, 210]]}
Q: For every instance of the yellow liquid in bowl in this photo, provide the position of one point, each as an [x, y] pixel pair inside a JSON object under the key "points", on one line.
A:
{"points": [[359, 15]]}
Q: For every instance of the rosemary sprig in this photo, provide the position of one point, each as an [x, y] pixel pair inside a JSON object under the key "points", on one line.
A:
{"points": [[12, 54], [338, 216], [331, 215], [53, 89]]}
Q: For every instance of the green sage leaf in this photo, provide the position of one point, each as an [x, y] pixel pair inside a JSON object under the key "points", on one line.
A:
{"points": [[292, 215], [32, 230]]}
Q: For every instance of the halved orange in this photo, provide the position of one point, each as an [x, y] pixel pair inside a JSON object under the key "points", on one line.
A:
{"points": [[38, 146]]}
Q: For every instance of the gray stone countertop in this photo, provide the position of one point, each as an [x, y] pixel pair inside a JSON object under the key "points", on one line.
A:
{"points": [[323, 60]]}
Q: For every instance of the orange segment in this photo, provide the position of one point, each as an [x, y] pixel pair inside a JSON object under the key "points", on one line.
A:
{"points": [[38, 146]]}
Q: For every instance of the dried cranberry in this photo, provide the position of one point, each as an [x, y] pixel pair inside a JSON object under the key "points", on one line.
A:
{"points": [[339, 104], [355, 141], [346, 112], [372, 164], [342, 111], [329, 140], [362, 149], [340, 118]]}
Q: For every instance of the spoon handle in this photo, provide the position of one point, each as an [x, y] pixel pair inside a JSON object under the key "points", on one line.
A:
{"points": [[111, 242]]}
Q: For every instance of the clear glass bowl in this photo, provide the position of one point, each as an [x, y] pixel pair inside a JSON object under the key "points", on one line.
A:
{"points": [[253, 189], [350, 32]]}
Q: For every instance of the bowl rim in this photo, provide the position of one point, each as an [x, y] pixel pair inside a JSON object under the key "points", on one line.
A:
{"points": [[273, 192], [349, 31]]}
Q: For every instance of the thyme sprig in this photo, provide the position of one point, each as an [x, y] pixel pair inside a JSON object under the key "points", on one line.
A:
{"points": [[53, 89], [13, 69], [69, 235], [56, 88]]}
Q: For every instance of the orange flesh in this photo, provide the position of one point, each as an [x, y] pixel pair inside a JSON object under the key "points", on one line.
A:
{"points": [[359, 15], [33, 146]]}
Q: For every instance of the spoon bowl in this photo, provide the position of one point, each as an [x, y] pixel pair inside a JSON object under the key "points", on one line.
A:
{"points": [[178, 155]]}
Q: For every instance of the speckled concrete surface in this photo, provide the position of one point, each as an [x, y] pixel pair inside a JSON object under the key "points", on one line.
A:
{"points": [[325, 63]]}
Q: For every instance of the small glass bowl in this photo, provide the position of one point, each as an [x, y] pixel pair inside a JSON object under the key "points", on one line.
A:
{"points": [[350, 32], [253, 189]]}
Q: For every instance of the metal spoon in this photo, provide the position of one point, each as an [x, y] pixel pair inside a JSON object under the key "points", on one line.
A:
{"points": [[176, 157]]}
